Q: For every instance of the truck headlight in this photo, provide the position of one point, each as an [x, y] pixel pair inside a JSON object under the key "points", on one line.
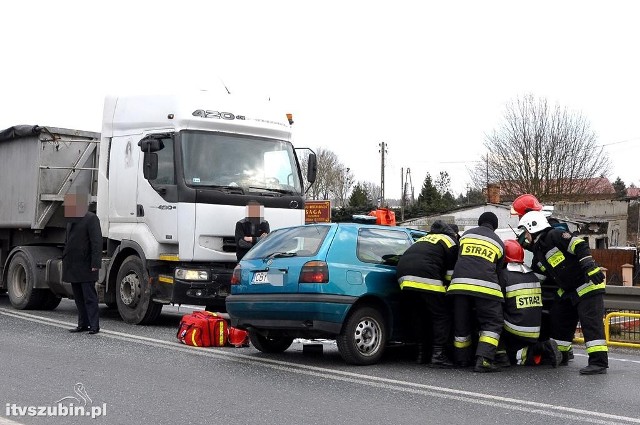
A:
{"points": [[191, 274]]}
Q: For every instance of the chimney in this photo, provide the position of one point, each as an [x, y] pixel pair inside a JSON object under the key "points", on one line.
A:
{"points": [[493, 193]]}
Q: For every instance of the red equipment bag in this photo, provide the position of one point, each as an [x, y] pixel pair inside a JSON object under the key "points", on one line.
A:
{"points": [[203, 329], [238, 337]]}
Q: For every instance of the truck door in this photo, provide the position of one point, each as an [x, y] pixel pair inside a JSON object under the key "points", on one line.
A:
{"points": [[158, 195]]}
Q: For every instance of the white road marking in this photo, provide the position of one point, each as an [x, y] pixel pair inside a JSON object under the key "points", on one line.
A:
{"points": [[508, 403]]}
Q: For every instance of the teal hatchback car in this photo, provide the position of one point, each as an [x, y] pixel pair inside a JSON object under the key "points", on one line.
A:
{"points": [[333, 281]]}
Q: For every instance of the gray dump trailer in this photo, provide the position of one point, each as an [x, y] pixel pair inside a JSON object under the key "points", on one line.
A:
{"points": [[38, 166]]}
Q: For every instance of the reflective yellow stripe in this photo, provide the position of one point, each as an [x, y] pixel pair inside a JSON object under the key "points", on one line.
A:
{"points": [[597, 349], [435, 238], [594, 271], [221, 333], [574, 243], [461, 344], [474, 288], [555, 259], [591, 287], [480, 248], [527, 291], [193, 337], [423, 286], [488, 340]]}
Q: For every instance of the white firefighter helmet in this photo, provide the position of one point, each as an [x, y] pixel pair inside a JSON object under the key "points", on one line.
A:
{"points": [[534, 222]]}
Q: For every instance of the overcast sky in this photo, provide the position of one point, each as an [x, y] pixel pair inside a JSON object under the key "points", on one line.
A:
{"points": [[428, 78]]}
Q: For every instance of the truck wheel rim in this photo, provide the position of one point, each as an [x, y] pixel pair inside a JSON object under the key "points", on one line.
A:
{"points": [[367, 336], [130, 290], [19, 281]]}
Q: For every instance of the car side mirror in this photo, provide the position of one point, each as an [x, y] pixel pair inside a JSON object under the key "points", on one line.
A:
{"points": [[312, 168]]}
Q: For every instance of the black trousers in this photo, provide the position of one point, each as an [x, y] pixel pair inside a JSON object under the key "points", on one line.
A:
{"points": [[86, 298], [487, 315], [589, 310]]}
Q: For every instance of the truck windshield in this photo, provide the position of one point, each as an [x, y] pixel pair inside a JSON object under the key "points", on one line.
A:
{"points": [[226, 160]]}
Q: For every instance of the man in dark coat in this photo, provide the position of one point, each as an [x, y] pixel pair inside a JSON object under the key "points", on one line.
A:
{"points": [[81, 259], [250, 229]]}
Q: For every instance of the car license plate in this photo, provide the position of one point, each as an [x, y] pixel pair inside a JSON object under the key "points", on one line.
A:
{"points": [[260, 277], [273, 278]]}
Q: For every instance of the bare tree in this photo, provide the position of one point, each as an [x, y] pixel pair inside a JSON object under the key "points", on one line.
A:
{"points": [[374, 191], [343, 182], [327, 164], [543, 150]]}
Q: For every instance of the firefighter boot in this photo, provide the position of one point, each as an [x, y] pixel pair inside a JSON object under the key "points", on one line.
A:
{"points": [[484, 365], [502, 359], [593, 369], [439, 359], [421, 358], [551, 354]]}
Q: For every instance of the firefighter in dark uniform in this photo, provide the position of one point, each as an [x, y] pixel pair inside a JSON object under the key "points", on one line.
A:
{"points": [[424, 272], [520, 206], [523, 313], [567, 259], [477, 294]]}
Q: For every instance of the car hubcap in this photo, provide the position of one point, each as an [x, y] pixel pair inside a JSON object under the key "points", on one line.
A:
{"points": [[367, 336], [130, 290]]}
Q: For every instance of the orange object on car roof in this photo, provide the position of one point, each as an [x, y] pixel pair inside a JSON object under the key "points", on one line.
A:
{"points": [[384, 216]]}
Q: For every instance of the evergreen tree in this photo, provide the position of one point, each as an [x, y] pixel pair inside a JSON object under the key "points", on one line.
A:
{"points": [[620, 188], [429, 199], [359, 197]]}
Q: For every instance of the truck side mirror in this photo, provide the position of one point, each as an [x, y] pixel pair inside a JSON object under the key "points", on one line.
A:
{"points": [[150, 169], [312, 168], [151, 144]]}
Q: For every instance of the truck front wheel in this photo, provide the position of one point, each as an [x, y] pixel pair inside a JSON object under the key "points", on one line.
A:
{"points": [[21, 282], [133, 293]]}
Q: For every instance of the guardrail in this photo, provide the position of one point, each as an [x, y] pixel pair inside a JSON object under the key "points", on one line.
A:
{"points": [[622, 298], [619, 298]]}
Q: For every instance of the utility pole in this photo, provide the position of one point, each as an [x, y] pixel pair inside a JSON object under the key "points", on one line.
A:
{"points": [[402, 192], [383, 150]]}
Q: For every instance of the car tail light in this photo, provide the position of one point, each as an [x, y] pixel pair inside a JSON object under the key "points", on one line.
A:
{"points": [[314, 272], [235, 277]]}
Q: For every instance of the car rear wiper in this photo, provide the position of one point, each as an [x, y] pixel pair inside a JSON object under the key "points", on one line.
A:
{"points": [[278, 255]]}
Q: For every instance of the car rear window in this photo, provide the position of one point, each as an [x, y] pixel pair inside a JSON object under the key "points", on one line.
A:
{"points": [[377, 245], [304, 241]]}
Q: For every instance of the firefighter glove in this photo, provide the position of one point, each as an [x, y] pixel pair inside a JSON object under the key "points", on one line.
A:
{"points": [[594, 274]]}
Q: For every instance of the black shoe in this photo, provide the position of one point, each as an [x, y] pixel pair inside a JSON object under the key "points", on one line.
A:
{"points": [[565, 358], [502, 360], [94, 331], [440, 360], [421, 358], [593, 370], [551, 354], [79, 329], [484, 365]]}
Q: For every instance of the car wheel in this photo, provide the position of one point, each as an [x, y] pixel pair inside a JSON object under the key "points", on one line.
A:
{"points": [[273, 343], [363, 337]]}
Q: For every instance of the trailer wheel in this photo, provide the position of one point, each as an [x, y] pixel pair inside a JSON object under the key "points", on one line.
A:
{"points": [[21, 282], [133, 293]]}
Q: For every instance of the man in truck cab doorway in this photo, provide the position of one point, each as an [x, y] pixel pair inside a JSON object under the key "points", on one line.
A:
{"points": [[81, 259], [250, 229]]}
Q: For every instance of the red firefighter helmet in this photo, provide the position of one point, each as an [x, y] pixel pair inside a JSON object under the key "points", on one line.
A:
{"points": [[513, 252], [525, 203]]}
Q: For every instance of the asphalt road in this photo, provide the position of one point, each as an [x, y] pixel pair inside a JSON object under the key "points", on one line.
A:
{"points": [[141, 374]]}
